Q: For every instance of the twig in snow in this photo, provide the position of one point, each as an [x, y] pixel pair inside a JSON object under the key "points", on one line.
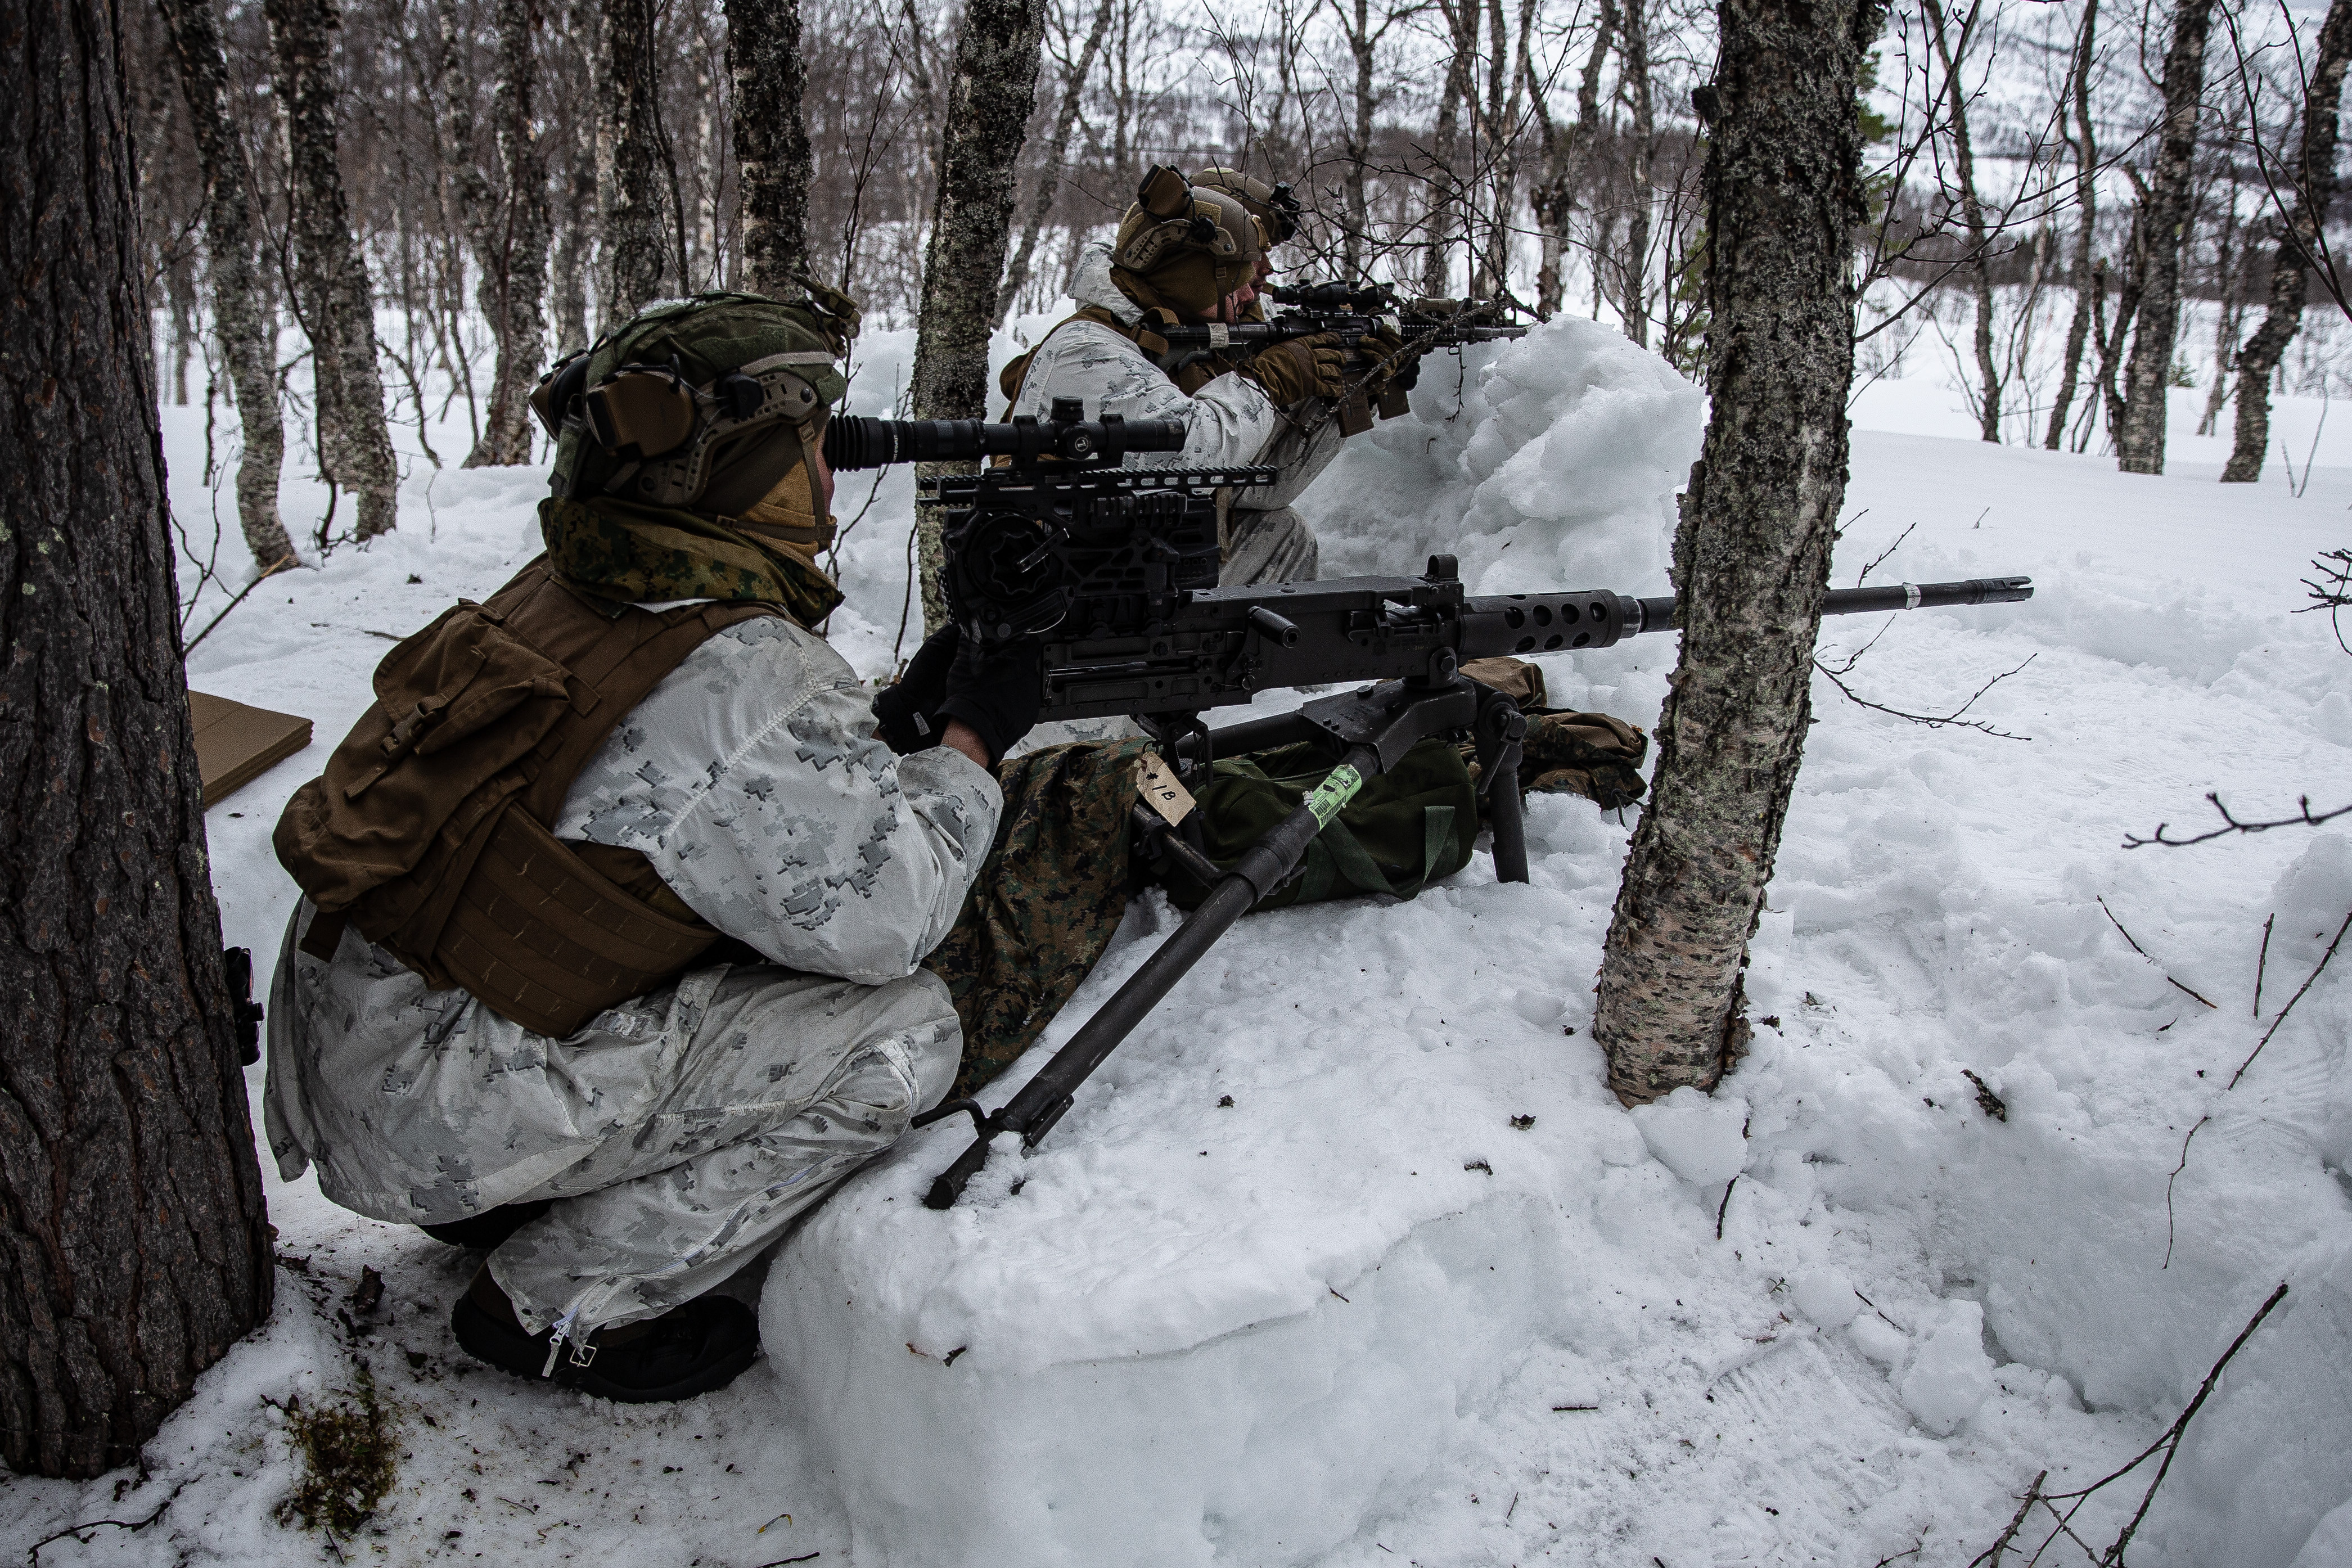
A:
{"points": [[805, 1557], [2302, 818], [1724, 1208], [74, 1531], [1878, 560], [2290, 1002], [2174, 1177], [2331, 590], [2144, 953], [1934, 722], [1990, 1557], [267, 573], [2262, 962], [2113, 1557]]}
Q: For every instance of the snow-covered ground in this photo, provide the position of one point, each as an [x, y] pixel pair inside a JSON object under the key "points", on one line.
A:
{"points": [[1361, 1316]]}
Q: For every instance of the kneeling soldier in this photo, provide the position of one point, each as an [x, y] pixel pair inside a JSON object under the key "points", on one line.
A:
{"points": [[609, 956]]}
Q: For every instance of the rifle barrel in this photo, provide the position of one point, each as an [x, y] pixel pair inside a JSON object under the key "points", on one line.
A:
{"points": [[1658, 614]]}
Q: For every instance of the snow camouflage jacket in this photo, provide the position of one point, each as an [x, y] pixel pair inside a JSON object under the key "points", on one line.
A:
{"points": [[752, 781], [1230, 420]]}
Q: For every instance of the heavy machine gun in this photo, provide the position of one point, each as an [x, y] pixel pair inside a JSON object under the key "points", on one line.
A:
{"points": [[1352, 313], [1111, 571]]}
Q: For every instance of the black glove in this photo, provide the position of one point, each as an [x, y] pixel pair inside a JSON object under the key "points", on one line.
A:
{"points": [[995, 689], [906, 714]]}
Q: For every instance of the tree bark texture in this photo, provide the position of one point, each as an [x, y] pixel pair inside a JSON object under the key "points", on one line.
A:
{"points": [[330, 277], [248, 328], [133, 1249], [510, 241], [1049, 174], [2168, 213], [2290, 269], [1783, 192], [772, 144], [992, 88], [628, 162], [574, 237], [2086, 207]]}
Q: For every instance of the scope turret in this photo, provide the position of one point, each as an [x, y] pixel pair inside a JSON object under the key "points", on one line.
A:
{"points": [[1063, 436]]}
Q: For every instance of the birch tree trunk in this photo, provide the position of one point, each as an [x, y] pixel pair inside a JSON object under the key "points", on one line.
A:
{"points": [[1972, 215], [511, 249], [1553, 197], [1049, 172], [2167, 214], [573, 243], [628, 162], [992, 88], [1783, 191], [247, 328], [1633, 271], [1462, 23], [772, 144], [2290, 269], [2086, 205], [330, 276], [133, 1247]]}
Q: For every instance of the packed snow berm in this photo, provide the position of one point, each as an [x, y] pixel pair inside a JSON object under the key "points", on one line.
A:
{"points": [[1348, 1257]]}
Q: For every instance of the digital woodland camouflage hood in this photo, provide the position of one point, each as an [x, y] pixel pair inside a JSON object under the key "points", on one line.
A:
{"points": [[685, 442]]}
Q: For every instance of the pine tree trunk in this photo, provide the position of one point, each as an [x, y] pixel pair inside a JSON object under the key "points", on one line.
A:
{"points": [[1783, 192], [2086, 205], [772, 144], [1049, 172], [134, 1249], [2140, 443], [511, 247], [992, 88], [332, 276], [247, 327], [2291, 271], [628, 162]]}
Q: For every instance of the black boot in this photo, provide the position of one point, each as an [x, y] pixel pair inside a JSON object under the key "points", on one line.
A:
{"points": [[689, 1350], [483, 1231]]}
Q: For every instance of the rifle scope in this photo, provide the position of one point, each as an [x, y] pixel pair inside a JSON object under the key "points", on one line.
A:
{"points": [[1064, 436]]}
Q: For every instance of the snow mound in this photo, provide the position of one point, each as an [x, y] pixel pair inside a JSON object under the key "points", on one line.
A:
{"points": [[1273, 1260], [1703, 1141], [1547, 461], [1950, 1376]]}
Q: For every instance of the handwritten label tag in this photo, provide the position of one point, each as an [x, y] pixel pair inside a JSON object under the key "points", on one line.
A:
{"points": [[1156, 782]]}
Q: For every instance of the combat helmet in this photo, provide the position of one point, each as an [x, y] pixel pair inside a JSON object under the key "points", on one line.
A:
{"points": [[1189, 247], [682, 405], [1274, 206]]}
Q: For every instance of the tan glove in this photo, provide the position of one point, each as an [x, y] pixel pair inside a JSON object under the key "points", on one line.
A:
{"points": [[1301, 367]]}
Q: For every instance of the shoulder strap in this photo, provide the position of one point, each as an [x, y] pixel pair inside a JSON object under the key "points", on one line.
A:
{"points": [[615, 657]]}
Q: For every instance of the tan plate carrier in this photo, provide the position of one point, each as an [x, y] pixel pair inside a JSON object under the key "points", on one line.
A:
{"points": [[430, 830]]}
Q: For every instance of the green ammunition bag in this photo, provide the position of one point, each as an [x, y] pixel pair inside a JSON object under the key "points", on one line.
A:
{"points": [[1406, 828]]}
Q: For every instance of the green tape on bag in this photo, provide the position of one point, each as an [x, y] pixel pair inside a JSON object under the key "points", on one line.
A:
{"points": [[1332, 795]]}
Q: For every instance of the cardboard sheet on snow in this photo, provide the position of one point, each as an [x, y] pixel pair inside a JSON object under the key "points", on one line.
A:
{"points": [[236, 744]]}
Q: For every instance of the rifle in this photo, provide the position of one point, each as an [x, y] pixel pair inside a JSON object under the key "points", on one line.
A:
{"points": [[1112, 572], [1351, 313]]}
